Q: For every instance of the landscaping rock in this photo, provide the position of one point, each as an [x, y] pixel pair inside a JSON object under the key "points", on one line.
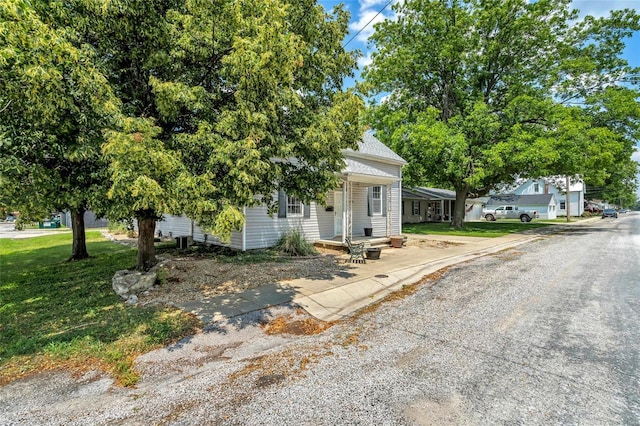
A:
{"points": [[126, 283]]}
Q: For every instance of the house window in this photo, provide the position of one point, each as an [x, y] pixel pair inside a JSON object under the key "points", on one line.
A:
{"points": [[376, 200], [536, 187], [563, 205], [416, 208], [294, 207]]}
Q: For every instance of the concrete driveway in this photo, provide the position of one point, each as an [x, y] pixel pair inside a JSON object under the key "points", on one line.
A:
{"points": [[8, 230]]}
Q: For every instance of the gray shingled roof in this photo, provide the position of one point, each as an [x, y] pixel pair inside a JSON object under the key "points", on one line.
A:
{"points": [[354, 166], [437, 193], [531, 200], [410, 194], [371, 146]]}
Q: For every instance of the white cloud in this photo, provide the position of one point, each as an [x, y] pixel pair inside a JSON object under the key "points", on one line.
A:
{"points": [[372, 4], [599, 8], [364, 60], [366, 18]]}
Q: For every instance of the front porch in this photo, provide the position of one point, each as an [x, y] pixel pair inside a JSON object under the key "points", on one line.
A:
{"points": [[336, 243]]}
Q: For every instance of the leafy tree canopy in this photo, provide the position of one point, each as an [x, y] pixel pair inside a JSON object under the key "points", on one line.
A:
{"points": [[54, 103], [226, 103], [479, 91]]}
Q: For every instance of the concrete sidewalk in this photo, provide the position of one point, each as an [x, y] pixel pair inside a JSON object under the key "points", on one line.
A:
{"points": [[334, 297]]}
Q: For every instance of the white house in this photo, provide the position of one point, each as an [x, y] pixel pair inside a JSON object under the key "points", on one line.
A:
{"points": [[368, 201], [435, 205], [555, 185]]}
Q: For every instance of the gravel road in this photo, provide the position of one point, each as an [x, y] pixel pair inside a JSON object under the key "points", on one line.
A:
{"points": [[543, 334]]}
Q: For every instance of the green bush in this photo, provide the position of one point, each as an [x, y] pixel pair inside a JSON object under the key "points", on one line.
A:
{"points": [[292, 243]]}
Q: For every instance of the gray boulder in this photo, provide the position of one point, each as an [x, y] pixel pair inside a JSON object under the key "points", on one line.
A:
{"points": [[126, 283]]}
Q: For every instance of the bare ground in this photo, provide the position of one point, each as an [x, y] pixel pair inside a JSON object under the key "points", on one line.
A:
{"points": [[185, 278]]}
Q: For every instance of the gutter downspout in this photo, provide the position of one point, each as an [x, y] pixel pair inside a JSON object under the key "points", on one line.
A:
{"points": [[568, 197]]}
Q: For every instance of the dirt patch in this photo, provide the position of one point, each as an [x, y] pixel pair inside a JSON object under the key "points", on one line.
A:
{"points": [[296, 326], [427, 243], [185, 279]]}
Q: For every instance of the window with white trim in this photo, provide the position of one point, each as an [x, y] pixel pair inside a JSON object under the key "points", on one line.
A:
{"points": [[536, 188], [376, 200], [294, 207]]}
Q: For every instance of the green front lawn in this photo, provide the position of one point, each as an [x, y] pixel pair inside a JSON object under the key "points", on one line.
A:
{"points": [[473, 229], [55, 313]]}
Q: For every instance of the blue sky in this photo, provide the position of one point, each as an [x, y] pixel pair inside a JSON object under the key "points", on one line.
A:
{"points": [[363, 11]]}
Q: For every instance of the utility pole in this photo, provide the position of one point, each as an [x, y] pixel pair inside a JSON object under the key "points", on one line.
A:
{"points": [[568, 200]]}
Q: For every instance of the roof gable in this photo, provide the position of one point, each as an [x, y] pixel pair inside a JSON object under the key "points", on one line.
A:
{"points": [[371, 147], [533, 199]]}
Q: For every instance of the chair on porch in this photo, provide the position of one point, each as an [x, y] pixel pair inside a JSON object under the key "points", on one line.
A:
{"points": [[356, 251]]}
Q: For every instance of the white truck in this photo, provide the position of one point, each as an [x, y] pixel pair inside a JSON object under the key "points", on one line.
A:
{"points": [[509, 212]]}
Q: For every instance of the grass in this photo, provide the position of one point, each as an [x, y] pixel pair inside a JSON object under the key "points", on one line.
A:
{"points": [[473, 229], [58, 314]]}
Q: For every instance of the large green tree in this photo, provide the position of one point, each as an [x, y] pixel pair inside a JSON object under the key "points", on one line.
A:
{"points": [[54, 104], [479, 91], [226, 103], [618, 108]]}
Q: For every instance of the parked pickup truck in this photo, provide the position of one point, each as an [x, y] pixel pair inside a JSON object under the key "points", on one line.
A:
{"points": [[509, 212]]}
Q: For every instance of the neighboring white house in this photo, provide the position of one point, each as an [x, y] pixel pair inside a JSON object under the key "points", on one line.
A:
{"points": [[367, 201], [435, 205], [555, 185], [544, 204]]}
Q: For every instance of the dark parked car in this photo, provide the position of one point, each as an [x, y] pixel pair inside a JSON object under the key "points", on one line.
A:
{"points": [[609, 213]]}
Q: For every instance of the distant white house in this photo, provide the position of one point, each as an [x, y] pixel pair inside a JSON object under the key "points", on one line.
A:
{"points": [[555, 185], [368, 202]]}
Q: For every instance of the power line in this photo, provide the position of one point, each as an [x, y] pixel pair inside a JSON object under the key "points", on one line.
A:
{"points": [[367, 24]]}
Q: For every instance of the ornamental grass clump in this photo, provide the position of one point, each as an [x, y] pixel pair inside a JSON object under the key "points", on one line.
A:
{"points": [[292, 243]]}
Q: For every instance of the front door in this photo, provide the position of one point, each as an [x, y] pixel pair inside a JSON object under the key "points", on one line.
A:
{"points": [[337, 212]]}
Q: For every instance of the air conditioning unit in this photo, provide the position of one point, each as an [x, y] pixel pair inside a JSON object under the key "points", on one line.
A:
{"points": [[182, 243]]}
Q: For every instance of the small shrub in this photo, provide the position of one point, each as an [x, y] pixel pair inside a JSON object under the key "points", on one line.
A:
{"points": [[117, 227], [292, 243]]}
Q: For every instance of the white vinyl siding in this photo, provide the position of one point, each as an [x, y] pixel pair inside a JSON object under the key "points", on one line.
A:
{"points": [[378, 223], [174, 226], [395, 210], [181, 226], [263, 231]]}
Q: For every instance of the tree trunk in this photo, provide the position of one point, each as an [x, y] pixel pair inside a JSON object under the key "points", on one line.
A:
{"points": [[146, 246], [459, 209], [79, 247]]}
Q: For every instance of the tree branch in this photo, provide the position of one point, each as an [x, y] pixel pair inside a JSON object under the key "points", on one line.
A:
{"points": [[5, 107]]}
